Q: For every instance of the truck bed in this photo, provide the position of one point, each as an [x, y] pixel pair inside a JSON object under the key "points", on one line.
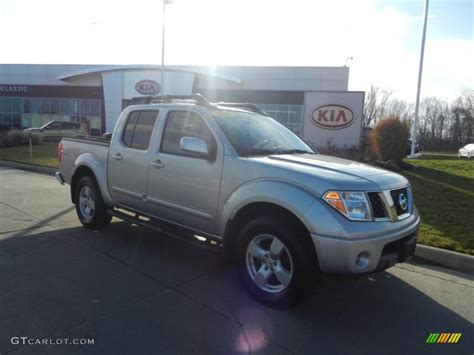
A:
{"points": [[72, 148]]}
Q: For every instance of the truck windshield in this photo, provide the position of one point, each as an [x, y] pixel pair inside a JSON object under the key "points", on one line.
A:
{"points": [[254, 134]]}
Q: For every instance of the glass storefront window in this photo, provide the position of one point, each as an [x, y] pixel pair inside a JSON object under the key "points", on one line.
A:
{"points": [[55, 106], [7, 105], [95, 107], [16, 121], [35, 105], [26, 105], [16, 105], [45, 105], [85, 107], [288, 115], [73, 107], [26, 112], [64, 109]]}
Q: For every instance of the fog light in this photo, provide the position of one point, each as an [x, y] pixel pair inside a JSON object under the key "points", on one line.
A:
{"points": [[362, 260]]}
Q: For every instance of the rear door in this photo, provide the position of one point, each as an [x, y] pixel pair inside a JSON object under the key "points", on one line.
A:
{"points": [[129, 157]]}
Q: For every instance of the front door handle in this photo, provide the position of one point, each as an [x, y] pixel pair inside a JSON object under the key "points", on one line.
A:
{"points": [[117, 156], [157, 164]]}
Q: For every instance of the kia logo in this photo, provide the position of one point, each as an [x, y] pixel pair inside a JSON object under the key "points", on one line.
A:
{"points": [[402, 200], [332, 116], [148, 87]]}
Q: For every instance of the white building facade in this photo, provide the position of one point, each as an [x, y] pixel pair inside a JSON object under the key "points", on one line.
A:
{"points": [[314, 102]]}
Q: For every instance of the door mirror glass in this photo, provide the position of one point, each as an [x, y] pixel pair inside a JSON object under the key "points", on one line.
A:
{"points": [[194, 145]]}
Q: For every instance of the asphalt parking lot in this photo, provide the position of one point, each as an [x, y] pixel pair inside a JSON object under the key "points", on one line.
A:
{"points": [[135, 291]]}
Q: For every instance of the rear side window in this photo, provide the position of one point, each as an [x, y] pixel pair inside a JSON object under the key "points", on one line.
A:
{"points": [[70, 125], [184, 124], [138, 129]]}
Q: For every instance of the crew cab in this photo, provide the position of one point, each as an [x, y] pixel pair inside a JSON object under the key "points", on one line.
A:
{"points": [[232, 176]]}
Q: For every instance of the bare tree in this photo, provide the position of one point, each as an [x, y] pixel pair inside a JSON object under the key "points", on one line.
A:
{"points": [[370, 106], [376, 102]]}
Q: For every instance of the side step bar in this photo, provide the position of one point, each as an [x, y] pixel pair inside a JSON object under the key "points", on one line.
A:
{"points": [[205, 241]]}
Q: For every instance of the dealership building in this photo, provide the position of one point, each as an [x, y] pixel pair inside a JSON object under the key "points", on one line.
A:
{"points": [[314, 102]]}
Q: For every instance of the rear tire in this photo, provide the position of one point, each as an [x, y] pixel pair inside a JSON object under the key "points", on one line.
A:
{"points": [[276, 265], [90, 207]]}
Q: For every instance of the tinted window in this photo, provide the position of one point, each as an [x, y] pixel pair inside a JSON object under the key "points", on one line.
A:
{"points": [[184, 124], [70, 125], [129, 128], [55, 125], [138, 129]]}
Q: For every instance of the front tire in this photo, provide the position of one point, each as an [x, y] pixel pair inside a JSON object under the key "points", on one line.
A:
{"points": [[90, 207], [276, 266]]}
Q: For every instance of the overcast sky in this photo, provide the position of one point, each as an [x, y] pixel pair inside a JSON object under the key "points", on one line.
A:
{"points": [[383, 37]]}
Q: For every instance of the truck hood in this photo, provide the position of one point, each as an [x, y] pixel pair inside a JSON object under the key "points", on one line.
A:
{"points": [[337, 173]]}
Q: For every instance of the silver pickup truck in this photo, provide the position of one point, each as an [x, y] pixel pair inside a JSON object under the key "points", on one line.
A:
{"points": [[233, 177]]}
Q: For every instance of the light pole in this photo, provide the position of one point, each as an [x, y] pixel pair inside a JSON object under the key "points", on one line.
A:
{"points": [[348, 60], [165, 2], [420, 72]]}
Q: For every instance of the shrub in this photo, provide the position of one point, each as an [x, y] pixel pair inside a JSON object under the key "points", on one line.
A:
{"points": [[35, 138], [389, 139], [16, 137], [3, 139]]}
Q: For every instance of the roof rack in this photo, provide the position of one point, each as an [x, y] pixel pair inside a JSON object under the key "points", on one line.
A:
{"points": [[197, 98], [243, 105], [200, 100]]}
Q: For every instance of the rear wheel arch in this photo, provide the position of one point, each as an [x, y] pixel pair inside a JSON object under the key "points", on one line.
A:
{"points": [[80, 172], [256, 210]]}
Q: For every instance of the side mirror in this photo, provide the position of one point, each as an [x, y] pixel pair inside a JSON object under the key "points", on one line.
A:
{"points": [[194, 145]]}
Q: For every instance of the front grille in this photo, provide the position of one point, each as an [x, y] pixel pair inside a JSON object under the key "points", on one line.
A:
{"points": [[398, 196], [377, 205]]}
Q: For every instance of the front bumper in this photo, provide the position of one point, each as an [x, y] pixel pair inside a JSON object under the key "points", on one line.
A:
{"points": [[346, 256]]}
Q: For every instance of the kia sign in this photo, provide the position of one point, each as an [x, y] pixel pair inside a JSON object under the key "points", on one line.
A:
{"points": [[332, 116], [148, 87]]}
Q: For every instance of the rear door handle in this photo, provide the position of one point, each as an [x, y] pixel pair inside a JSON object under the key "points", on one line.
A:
{"points": [[157, 164], [117, 156]]}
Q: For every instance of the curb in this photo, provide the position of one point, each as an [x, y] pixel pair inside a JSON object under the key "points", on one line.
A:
{"points": [[28, 167], [447, 258]]}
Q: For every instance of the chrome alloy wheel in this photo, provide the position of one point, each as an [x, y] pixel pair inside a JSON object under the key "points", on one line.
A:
{"points": [[269, 263], [87, 203]]}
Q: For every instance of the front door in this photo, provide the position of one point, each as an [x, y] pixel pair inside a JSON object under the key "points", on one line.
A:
{"points": [[182, 187], [128, 160]]}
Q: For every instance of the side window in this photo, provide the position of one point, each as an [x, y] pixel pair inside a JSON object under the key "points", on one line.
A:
{"points": [[184, 124], [138, 129], [55, 125], [68, 125]]}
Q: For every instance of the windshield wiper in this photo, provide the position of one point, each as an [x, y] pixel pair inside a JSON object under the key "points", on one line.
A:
{"points": [[293, 151], [259, 151]]}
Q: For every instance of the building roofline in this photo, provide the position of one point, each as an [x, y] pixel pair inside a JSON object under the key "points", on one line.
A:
{"points": [[97, 70]]}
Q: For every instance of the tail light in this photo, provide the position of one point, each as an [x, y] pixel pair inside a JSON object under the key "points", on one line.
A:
{"points": [[60, 151]]}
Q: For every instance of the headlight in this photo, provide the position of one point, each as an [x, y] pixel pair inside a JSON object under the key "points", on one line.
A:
{"points": [[353, 205]]}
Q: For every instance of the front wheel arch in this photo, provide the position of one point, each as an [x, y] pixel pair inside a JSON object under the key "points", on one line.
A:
{"points": [[263, 209]]}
